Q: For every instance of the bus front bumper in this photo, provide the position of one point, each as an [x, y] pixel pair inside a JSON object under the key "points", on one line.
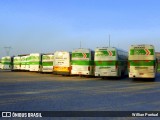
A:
{"points": [[103, 74], [141, 75]]}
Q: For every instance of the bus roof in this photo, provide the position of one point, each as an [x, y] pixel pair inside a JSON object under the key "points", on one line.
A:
{"points": [[23, 55], [48, 54], [35, 53], [86, 50], [17, 57]]}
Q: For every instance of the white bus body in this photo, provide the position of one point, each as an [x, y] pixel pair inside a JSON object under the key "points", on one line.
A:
{"points": [[62, 61], [110, 61], [0, 64], [35, 62], [47, 62], [82, 61], [142, 61]]}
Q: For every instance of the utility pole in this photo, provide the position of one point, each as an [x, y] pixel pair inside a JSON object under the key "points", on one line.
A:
{"points": [[7, 49]]}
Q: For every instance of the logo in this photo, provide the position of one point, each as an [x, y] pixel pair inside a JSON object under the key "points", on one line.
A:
{"points": [[6, 114], [147, 52], [110, 53], [84, 55]]}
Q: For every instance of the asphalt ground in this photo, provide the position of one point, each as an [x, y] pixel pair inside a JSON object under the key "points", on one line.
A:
{"points": [[30, 91]]}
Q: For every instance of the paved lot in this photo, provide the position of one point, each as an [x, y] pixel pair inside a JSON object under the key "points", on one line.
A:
{"points": [[25, 91]]}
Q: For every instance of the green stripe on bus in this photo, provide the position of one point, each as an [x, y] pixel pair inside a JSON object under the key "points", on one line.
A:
{"points": [[47, 57], [27, 63], [23, 63], [80, 55], [105, 63], [141, 63], [80, 62], [34, 58], [34, 63], [140, 52], [6, 63], [47, 63], [16, 63], [104, 53]]}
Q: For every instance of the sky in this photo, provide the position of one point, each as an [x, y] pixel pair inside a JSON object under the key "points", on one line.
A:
{"points": [[45, 26]]}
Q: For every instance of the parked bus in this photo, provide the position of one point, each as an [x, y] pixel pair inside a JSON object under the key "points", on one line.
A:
{"points": [[35, 62], [0, 64], [16, 63], [142, 61], [47, 62], [62, 63], [7, 62], [82, 62], [110, 61]]}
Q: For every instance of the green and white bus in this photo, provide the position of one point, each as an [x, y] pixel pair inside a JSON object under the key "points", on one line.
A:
{"points": [[35, 62], [62, 65], [25, 62], [7, 62], [47, 62], [110, 62], [142, 62], [16, 63], [82, 62], [0, 64]]}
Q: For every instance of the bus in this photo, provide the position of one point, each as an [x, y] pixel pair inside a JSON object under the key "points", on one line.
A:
{"points": [[62, 65], [110, 62], [142, 62], [0, 64], [35, 62], [7, 62], [47, 62], [82, 62], [16, 63]]}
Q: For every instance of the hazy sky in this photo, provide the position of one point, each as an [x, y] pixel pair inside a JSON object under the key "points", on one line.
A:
{"points": [[30, 26]]}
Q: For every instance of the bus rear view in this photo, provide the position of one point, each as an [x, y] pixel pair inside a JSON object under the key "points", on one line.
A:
{"points": [[142, 61], [110, 61]]}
